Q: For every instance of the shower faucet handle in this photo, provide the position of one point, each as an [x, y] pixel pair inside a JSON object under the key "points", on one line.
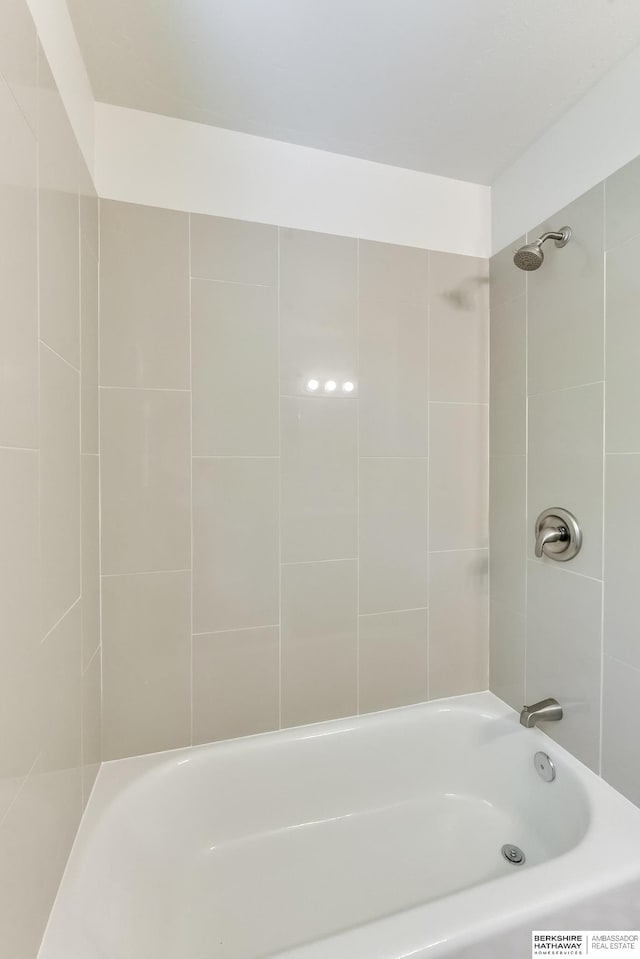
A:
{"points": [[550, 534], [558, 535]]}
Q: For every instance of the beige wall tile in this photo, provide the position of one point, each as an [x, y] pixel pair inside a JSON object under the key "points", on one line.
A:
{"points": [[565, 466], [59, 695], [393, 534], [59, 234], [235, 545], [458, 627], [393, 344], [621, 559], [235, 369], [392, 659], [319, 479], [564, 655], [145, 466], [319, 656], [622, 219], [90, 520], [507, 653], [508, 388], [508, 522], [565, 300], [35, 839], [620, 743], [89, 348], [235, 683], [91, 725], [59, 486], [458, 476], [19, 59], [89, 212], [458, 328], [506, 281], [146, 662], [18, 273], [144, 311], [623, 344], [233, 250], [20, 616], [318, 309]]}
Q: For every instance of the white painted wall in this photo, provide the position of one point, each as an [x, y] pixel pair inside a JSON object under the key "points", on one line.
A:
{"points": [[590, 142], [60, 45], [161, 161]]}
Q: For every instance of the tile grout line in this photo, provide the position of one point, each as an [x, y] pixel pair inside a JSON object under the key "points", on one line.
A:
{"points": [[191, 458], [57, 623], [428, 536], [279, 414], [357, 358], [604, 470]]}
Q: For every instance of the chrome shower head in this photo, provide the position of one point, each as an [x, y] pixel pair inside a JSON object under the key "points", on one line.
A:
{"points": [[531, 257]]}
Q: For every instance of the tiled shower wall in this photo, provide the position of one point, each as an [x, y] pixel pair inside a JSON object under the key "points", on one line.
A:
{"points": [[272, 557], [50, 745], [565, 431]]}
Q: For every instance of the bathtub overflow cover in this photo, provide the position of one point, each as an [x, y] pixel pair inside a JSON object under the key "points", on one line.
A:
{"points": [[513, 854], [544, 767]]}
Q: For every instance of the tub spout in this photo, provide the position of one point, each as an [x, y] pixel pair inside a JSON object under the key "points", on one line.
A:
{"points": [[547, 710]]}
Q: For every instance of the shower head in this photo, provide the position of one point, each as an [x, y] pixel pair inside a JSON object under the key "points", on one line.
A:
{"points": [[531, 257]]}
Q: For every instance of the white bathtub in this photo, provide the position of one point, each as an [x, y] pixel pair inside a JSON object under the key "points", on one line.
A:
{"points": [[366, 838]]}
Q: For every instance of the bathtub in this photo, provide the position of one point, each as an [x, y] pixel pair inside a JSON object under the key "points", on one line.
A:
{"points": [[371, 838]]}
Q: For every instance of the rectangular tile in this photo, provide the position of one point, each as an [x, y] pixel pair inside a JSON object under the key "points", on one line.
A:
{"points": [[91, 725], [507, 653], [58, 225], [623, 343], [60, 486], [458, 476], [393, 650], [508, 377], [18, 277], [565, 300], [234, 369], [458, 328], [458, 627], [146, 661], [508, 526], [620, 744], [564, 655], [60, 694], [319, 629], [144, 293], [233, 250], [235, 547], [90, 571], [318, 309], [35, 841], [621, 559], [236, 683], [565, 466], [319, 479], [393, 534], [19, 58], [622, 220], [89, 348], [507, 281], [145, 480], [393, 348], [20, 616]]}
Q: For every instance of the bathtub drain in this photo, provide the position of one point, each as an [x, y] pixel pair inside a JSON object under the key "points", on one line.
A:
{"points": [[513, 854]]}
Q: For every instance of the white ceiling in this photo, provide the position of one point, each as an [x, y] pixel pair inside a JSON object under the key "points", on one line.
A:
{"points": [[458, 88]]}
